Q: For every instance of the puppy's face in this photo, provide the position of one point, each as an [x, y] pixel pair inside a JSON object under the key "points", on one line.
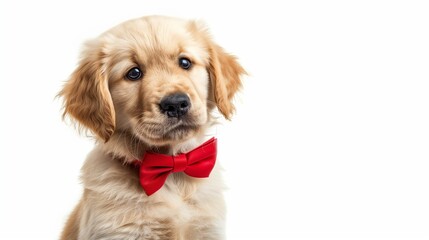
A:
{"points": [[157, 78], [158, 81]]}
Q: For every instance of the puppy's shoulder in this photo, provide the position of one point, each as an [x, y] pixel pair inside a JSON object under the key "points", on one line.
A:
{"points": [[105, 174]]}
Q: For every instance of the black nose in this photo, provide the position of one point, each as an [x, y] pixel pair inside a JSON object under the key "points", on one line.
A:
{"points": [[175, 105]]}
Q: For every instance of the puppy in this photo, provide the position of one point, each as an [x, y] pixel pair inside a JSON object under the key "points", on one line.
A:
{"points": [[147, 90]]}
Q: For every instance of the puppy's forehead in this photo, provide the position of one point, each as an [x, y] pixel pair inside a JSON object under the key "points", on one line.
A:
{"points": [[155, 37]]}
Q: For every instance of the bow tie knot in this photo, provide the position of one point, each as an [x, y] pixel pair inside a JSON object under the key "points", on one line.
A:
{"points": [[180, 163], [155, 167]]}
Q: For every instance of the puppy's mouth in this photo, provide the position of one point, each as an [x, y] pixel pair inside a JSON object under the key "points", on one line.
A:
{"points": [[169, 131], [179, 126]]}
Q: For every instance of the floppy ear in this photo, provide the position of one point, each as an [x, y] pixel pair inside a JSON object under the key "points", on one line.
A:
{"points": [[86, 95], [225, 72]]}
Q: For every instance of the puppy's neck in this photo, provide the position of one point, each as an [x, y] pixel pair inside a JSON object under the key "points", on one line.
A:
{"points": [[127, 147], [188, 145]]}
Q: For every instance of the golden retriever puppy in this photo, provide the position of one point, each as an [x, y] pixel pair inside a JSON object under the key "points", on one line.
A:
{"points": [[147, 89]]}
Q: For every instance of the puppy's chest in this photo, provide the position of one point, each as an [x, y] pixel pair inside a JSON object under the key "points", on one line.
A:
{"points": [[148, 221], [163, 216], [177, 204]]}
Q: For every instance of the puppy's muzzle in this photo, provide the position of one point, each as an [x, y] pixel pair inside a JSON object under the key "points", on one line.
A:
{"points": [[175, 105]]}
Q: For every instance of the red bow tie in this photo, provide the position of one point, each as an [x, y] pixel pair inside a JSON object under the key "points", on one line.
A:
{"points": [[155, 167]]}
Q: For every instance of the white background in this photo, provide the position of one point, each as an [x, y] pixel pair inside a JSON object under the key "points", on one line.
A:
{"points": [[331, 137]]}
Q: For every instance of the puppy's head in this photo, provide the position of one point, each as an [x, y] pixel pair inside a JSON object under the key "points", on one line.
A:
{"points": [[157, 78]]}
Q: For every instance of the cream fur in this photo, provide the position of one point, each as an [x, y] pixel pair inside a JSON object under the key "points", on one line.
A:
{"points": [[126, 121]]}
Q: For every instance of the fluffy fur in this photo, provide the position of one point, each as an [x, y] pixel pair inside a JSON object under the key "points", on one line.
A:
{"points": [[126, 120]]}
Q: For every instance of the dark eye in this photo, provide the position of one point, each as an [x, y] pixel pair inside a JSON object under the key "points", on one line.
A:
{"points": [[134, 74], [185, 63]]}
